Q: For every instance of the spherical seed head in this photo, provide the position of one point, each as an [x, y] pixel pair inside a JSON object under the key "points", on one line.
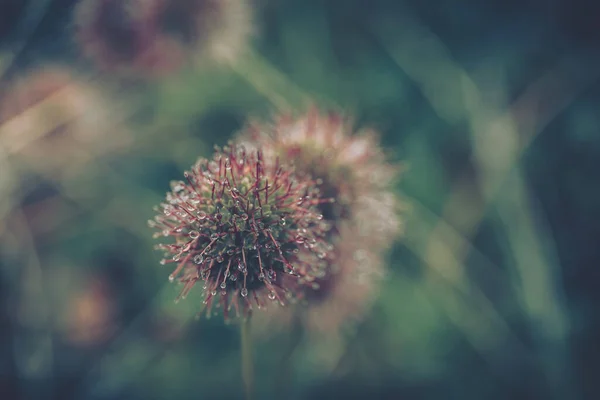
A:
{"points": [[116, 34], [155, 37], [348, 166], [352, 168], [247, 227]]}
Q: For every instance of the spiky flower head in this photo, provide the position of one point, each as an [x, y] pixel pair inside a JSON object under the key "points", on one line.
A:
{"points": [[158, 36], [247, 227], [352, 168], [349, 166]]}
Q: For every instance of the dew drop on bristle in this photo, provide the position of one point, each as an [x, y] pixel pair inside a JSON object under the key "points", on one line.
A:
{"points": [[198, 259], [194, 234], [244, 292]]}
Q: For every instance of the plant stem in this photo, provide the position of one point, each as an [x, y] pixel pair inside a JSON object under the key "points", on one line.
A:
{"points": [[284, 381], [270, 82], [247, 368]]}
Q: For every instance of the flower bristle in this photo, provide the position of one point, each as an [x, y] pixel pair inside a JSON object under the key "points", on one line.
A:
{"points": [[246, 226]]}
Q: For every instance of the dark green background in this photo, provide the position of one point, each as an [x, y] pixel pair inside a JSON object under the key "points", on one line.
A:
{"points": [[429, 335]]}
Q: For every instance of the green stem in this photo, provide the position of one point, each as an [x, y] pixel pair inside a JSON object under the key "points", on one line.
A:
{"points": [[247, 368], [284, 381]]}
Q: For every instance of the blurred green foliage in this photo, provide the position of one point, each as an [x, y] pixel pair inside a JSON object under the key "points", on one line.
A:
{"points": [[493, 291]]}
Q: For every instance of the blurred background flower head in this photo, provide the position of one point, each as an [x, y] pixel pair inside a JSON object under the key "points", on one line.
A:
{"points": [[157, 37], [350, 167]]}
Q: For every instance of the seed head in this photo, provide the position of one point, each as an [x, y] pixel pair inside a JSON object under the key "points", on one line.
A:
{"points": [[351, 168], [158, 36], [247, 227], [348, 166]]}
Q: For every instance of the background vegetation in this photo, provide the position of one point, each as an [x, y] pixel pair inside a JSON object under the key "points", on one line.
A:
{"points": [[492, 292]]}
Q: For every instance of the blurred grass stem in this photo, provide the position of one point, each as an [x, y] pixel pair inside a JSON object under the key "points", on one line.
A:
{"points": [[266, 79]]}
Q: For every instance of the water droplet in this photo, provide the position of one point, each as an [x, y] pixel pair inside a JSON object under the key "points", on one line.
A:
{"points": [[198, 259], [319, 216], [230, 252], [272, 295], [214, 236], [245, 216], [282, 222], [163, 262], [244, 292], [171, 278], [299, 239], [227, 163], [223, 285], [166, 232], [194, 234], [201, 215], [261, 276], [178, 187], [233, 277], [219, 259], [214, 292], [176, 257]]}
